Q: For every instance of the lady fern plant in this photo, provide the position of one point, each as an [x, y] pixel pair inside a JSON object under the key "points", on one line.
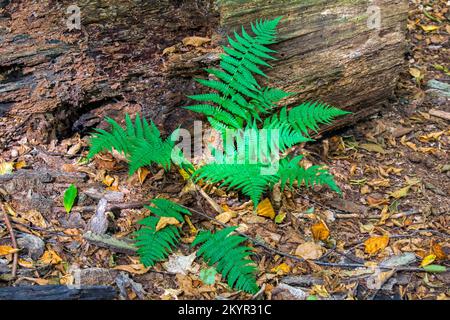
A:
{"points": [[240, 103], [237, 102]]}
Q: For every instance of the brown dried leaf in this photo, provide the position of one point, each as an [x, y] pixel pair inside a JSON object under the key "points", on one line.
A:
{"points": [[165, 221]]}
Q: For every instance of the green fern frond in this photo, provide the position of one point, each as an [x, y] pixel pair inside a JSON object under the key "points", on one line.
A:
{"points": [[225, 251], [235, 83], [154, 246], [290, 171], [140, 142], [244, 177], [309, 115]]}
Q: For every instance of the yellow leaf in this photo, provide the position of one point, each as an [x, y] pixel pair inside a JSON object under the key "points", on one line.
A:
{"points": [[169, 50], [184, 174], [431, 136], [108, 180], [320, 231], [25, 264], [428, 260], [195, 41], [281, 269], [20, 164], [138, 268], [226, 216], [50, 257], [6, 167], [142, 174], [429, 28], [416, 73], [5, 250], [166, 221], [400, 193], [372, 147], [192, 229], [265, 209], [385, 214], [376, 244], [309, 251]]}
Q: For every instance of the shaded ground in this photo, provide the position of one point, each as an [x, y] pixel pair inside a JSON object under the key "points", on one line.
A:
{"points": [[393, 169]]}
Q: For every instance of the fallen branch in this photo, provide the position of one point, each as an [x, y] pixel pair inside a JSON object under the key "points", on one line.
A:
{"points": [[13, 241], [110, 242], [440, 114], [110, 207], [57, 292]]}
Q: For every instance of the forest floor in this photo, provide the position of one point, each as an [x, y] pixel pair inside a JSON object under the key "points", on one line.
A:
{"points": [[392, 220]]}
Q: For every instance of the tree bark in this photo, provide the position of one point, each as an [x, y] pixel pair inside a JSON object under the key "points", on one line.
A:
{"points": [[56, 292], [55, 81]]}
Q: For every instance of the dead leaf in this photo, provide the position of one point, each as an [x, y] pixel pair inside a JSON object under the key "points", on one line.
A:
{"points": [[20, 164], [400, 193], [429, 259], [429, 28], [137, 268], [320, 231], [5, 250], [226, 216], [309, 251], [166, 221], [108, 180], [281, 269], [50, 257], [265, 209], [142, 174], [35, 217], [169, 50], [372, 147], [180, 264], [195, 41], [376, 244], [25, 264], [437, 250]]}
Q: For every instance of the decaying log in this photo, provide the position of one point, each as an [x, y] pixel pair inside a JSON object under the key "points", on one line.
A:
{"points": [[57, 292], [54, 81]]}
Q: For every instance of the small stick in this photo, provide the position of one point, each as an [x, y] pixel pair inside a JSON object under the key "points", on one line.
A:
{"points": [[13, 241]]}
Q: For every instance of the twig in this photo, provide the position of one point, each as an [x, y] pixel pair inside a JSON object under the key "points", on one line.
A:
{"points": [[13, 241], [112, 206]]}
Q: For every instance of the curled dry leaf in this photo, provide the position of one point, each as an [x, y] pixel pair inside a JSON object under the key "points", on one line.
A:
{"points": [[265, 209], [166, 221], [281, 269], [195, 41], [5, 250], [320, 231], [376, 244], [226, 216], [50, 257]]}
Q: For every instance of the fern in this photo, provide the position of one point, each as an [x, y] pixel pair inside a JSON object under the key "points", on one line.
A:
{"points": [[140, 142], [238, 96], [224, 251], [154, 246]]}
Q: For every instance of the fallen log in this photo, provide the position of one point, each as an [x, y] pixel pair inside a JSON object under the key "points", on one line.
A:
{"points": [[55, 81], [57, 292]]}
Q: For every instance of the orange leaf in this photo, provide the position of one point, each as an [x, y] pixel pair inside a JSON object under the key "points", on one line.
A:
{"points": [[438, 252], [265, 209], [5, 250], [281, 269], [320, 231], [50, 257], [376, 244]]}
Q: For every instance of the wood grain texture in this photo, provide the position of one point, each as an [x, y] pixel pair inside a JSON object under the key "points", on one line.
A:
{"points": [[328, 52], [54, 82]]}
